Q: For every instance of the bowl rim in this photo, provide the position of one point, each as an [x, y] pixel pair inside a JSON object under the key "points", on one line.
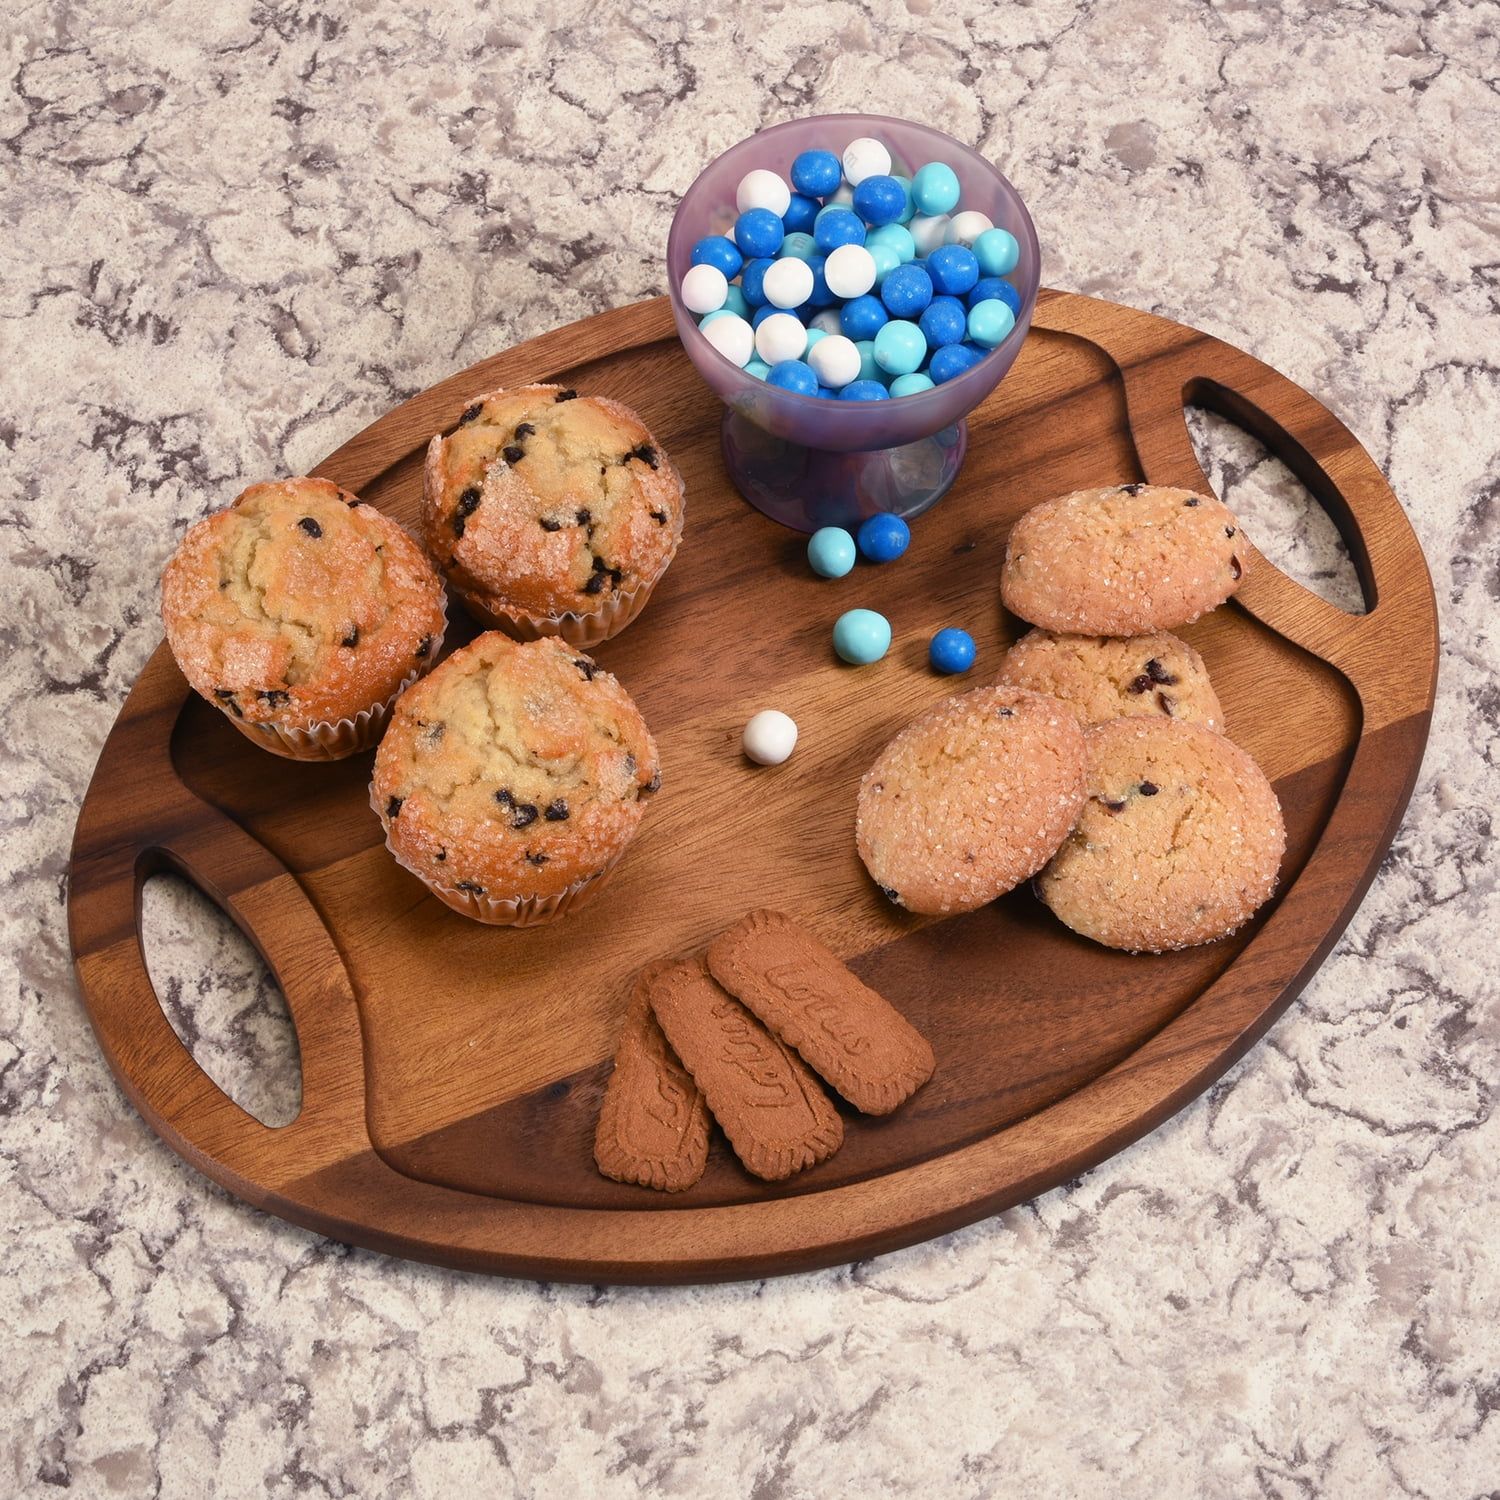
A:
{"points": [[688, 324]]}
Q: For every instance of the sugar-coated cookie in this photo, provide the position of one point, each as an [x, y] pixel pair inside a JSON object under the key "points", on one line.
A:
{"points": [[1179, 843], [1125, 560], [1107, 677], [971, 798]]}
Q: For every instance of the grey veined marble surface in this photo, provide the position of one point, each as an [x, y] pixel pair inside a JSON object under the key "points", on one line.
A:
{"points": [[238, 232]]}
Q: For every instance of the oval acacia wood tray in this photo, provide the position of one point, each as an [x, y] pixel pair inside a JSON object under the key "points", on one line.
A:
{"points": [[452, 1072]]}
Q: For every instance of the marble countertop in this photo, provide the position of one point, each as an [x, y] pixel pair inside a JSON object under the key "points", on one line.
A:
{"points": [[238, 233]]}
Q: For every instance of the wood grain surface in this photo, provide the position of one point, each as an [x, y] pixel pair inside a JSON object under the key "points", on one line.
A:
{"points": [[452, 1072]]}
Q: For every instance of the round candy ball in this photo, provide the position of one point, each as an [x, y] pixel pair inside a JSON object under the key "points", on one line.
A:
{"points": [[879, 200], [814, 335], [965, 228], [769, 737], [718, 250], [704, 289], [988, 287], [945, 322], [837, 226], [950, 361], [799, 245], [826, 321], [864, 390], [735, 302], [906, 291], [868, 369], [830, 552], [953, 269], [884, 538], [886, 260], [763, 312], [862, 317], [816, 173], [732, 336], [758, 368], [800, 213], [834, 360], [789, 282], [897, 236], [861, 636], [911, 385], [758, 232], [927, 232], [990, 322], [821, 296], [865, 157], [935, 188], [793, 375], [951, 651], [779, 338], [762, 189], [849, 271], [900, 347], [908, 206], [752, 280], [998, 252]]}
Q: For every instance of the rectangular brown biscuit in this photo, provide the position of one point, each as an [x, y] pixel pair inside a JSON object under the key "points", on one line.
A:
{"points": [[653, 1126], [767, 1102], [852, 1036]]}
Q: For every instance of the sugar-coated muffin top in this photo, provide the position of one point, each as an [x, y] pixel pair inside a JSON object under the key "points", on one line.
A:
{"points": [[514, 770], [971, 798], [544, 502], [1125, 560], [1106, 677], [299, 605], [1180, 841]]}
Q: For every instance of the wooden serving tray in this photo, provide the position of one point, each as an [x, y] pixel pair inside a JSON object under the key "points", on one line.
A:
{"points": [[452, 1073]]}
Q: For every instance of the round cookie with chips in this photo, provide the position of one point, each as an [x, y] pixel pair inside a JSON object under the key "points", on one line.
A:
{"points": [[1179, 843], [1126, 560], [970, 799]]}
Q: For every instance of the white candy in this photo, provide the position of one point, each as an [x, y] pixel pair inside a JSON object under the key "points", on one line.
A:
{"points": [[771, 735], [763, 189], [834, 360], [841, 197], [966, 227], [733, 337], [826, 321], [788, 282], [928, 230], [779, 337], [704, 289], [849, 271], [865, 158]]}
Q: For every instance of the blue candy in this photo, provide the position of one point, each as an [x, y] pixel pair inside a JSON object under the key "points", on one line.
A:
{"points": [[864, 390], [758, 232], [821, 296], [906, 291], [760, 314], [950, 361], [752, 281], [935, 189], [953, 269], [884, 538], [861, 636], [817, 173], [800, 213], [879, 200], [995, 289], [793, 375], [836, 226], [720, 251], [863, 317], [951, 651], [830, 552], [944, 322]]}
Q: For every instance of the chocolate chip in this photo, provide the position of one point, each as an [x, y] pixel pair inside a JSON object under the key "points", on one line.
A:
{"points": [[351, 640], [567, 395], [630, 763], [654, 785], [1158, 673], [1229, 531], [1111, 807], [470, 412], [226, 695], [659, 516], [393, 807], [1191, 501], [523, 815], [433, 732], [595, 583], [535, 859], [441, 856], [616, 578], [1006, 713], [1235, 570], [1164, 703], [525, 430], [423, 647], [584, 516], [1131, 489], [274, 696], [1149, 789], [504, 797], [472, 887], [557, 812], [468, 501], [548, 524], [586, 668], [890, 894], [311, 527], [513, 453], [645, 452], [600, 566], [1141, 684]]}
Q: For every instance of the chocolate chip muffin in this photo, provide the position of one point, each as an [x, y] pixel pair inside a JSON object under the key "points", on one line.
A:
{"points": [[551, 513], [512, 778], [300, 613]]}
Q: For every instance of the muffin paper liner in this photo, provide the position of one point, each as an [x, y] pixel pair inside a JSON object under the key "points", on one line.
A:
{"points": [[342, 738]]}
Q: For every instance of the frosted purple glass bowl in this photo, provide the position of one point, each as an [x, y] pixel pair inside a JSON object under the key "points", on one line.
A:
{"points": [[808, 461]]}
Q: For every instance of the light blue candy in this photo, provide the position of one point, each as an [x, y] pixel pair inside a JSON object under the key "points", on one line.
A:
{"points": [[830, 552], [990, 322], [707, 318], [886, 260], [900, 347], [758, 368], [813, 335], [799, 245], [951, 651], [935, 188], [868, 369], [997, 252], [897, 236], [736, 303], [909, 212], [911, 385], [861, 636]]}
